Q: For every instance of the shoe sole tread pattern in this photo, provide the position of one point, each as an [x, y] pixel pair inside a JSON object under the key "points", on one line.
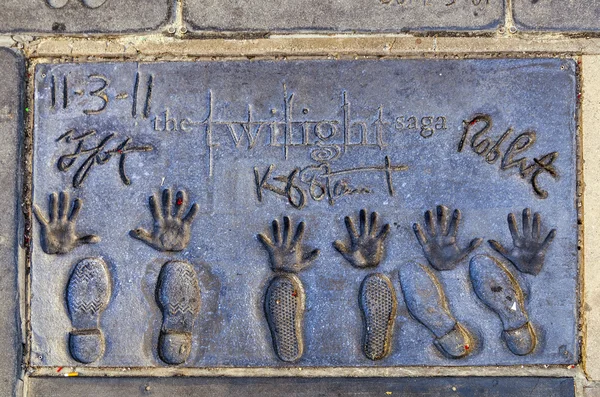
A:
{"points": [[179, 298], [498, 289], [378, 303], [88, 295], [284, 309]]}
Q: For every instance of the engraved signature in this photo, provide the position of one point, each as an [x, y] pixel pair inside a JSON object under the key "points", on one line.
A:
{"points": [[491, 151], [95, 155], [320, 181]]}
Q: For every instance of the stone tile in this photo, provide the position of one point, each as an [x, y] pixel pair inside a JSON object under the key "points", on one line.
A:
{"points": [[83, 16], [343, 16], [591, 170], [557, 15], [591, 390], [267, 387], [11, 110], [251, 142]]}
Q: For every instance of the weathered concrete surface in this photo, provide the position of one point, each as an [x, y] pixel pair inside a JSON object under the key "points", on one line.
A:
{"points": [[591, 170], [144, 48], [591, 390], [526, 95], [344, 16], [557, 15], [327, 387], [83, 16], [11, 96]]}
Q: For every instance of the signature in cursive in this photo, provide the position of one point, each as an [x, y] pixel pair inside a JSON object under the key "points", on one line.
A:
{"points": [[92, 155]]}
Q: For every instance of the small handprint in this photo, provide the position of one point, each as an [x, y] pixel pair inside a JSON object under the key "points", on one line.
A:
{"points": [[172, 230], [439, 246], [58, 232], [286, 252], [528, 252], [87, 3], [366, 245]]}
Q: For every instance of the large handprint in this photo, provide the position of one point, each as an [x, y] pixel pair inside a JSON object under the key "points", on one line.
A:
{"points": [[172, 230], [58, 232], [439, 246], [528, 252], [366, 245], [286, 252]]}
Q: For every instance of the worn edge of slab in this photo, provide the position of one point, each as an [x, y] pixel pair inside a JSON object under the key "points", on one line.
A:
{"points": [[549, 387], [12, 252]]}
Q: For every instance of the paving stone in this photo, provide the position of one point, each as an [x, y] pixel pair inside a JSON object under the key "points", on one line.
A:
{"points": [[232, 387], [358, 15], [83, 16], [591, 390], [591, 170], [11, 110], [199, 274], [557, 15]]}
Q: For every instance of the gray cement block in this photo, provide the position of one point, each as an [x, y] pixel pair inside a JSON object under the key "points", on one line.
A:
{"points": [[591, 390], [11, 110], [557, 15], [83, 16], [205, 278], [295, 387], [344, 16]]}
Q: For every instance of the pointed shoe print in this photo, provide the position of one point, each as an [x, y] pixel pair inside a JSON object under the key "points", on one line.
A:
{"points": [[88, 294], [426, 302], [93, 3], [500, 291], [377, 300], [284, 309], [178, 296]]}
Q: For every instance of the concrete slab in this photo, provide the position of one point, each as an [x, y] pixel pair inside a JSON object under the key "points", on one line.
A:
{"points": [[124, 283], [11, 126], [344, 16], [297, 387], [591, 169], [83, 16], [591, 390], [557, 15]]}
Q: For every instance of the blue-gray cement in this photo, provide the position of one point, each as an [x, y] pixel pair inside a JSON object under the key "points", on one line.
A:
{"points": [[296, 387], [557, 15], [83, 16], [344, 16], [233, 266], [11, 126]]}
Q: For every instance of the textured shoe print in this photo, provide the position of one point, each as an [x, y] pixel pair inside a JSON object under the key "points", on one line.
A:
{"points": [[87, 3], [377, 300], [284, 308], [500, 291], [88, 293], [178, 296], [426, 302]]}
